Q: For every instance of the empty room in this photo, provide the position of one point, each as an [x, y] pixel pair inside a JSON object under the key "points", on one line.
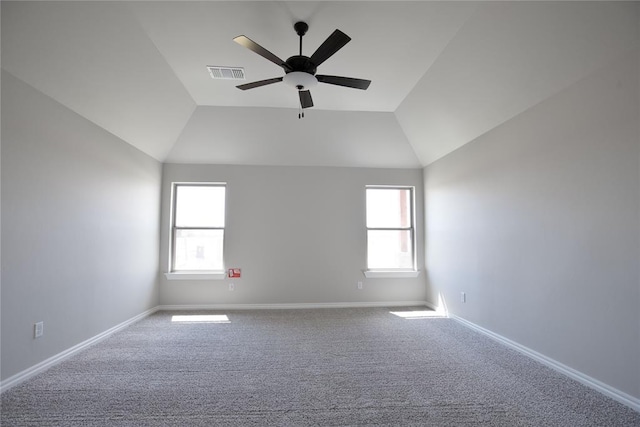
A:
{"points": [[320, 213]]}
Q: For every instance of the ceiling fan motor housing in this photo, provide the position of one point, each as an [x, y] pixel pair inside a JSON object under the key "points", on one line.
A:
{"points": [[301, 63]]}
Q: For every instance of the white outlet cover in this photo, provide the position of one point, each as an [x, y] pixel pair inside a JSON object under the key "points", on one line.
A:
{"points": [[38, 329]]}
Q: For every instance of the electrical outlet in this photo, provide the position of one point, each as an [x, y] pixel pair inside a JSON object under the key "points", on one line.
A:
{"points": [[231, 286], [463, 297], [360, 285], [38, 329]]}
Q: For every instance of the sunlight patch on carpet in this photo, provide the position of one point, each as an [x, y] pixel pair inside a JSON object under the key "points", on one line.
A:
{"points": [[201, 318], [419, 314]]}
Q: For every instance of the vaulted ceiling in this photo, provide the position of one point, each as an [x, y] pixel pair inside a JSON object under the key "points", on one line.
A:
{"points": [[443, 73]]}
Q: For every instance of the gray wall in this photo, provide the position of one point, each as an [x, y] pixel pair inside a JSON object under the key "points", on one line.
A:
{"points": [[538, 222], [80, 221], [297, 233]]}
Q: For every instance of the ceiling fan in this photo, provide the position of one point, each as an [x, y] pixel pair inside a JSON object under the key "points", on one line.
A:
{"points": [[300, 70]]}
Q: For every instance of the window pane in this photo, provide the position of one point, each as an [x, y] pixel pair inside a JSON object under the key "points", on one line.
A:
{"points": [[389, 249], [199, 250], [199, 206], [388, 207]]}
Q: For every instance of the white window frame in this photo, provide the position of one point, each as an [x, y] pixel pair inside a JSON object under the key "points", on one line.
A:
{"points": [[192, 274], [394, 272]]}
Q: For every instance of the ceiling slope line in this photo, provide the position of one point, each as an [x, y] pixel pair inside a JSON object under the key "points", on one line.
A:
{"points": [[476, 7], [68, 108], [513, 67], [162, 55], [557, 94]]}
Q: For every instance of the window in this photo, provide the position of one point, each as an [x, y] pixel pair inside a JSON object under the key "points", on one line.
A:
{"points": [[390, 228], [198, 228]]}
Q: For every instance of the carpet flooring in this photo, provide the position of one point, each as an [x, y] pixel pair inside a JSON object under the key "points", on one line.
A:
{"points": [[326, 367]]}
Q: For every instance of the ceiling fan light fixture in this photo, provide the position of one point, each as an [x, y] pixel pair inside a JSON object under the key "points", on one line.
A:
{"points": [[300, 80]]}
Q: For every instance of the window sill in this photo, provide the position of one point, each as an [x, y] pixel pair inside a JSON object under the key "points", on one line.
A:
{"points": [[391, 274], [210, 275]]}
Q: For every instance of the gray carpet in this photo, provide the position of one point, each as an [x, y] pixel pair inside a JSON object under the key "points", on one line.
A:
{"points": [[305, 367]]}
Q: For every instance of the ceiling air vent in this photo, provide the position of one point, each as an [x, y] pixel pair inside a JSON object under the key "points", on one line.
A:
{"points": [[226, 73]]}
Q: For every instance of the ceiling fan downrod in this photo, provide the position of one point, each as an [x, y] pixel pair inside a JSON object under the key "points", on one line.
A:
{"points": [[301, 29]]}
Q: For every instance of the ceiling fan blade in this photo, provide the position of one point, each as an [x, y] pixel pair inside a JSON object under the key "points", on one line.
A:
{"points": [[344, 81], [331, 45], [305, 99], [259, 83], [255, 47]]}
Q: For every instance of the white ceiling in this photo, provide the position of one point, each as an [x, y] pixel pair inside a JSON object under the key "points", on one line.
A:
{"points": [[443, 73]]}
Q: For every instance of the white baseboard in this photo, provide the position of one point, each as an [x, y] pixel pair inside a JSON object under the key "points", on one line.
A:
{"points": [[599, 386], [46, 364], [291, 305]]}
